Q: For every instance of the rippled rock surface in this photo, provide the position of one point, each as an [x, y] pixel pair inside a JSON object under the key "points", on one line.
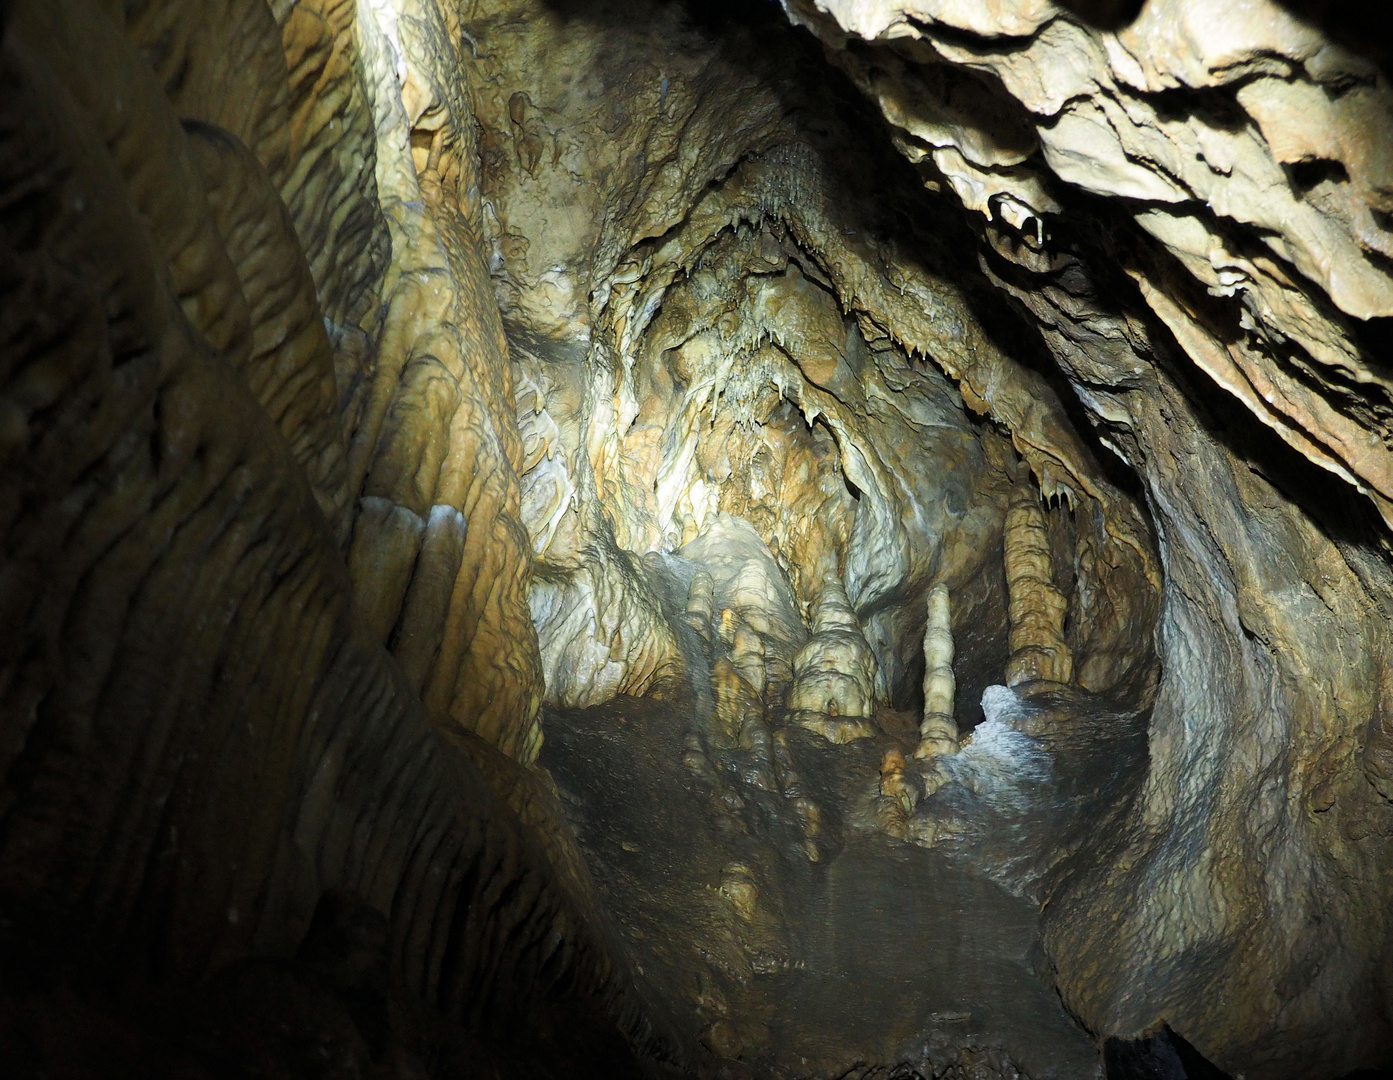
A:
{"points": [[806, 539]]}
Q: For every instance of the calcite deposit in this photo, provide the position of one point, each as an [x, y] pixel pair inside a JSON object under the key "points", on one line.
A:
{"points": [[1038, 648], [938, 731], [815, 538], [834, 674]]}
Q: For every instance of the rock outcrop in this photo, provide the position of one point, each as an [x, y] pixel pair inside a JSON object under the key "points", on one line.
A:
{"points": [[1191, 207]]}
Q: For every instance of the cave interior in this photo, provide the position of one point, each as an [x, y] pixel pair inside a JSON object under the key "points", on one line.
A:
{"points": [[730, 539]]}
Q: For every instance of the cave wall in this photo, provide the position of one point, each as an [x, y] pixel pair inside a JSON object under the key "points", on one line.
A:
{"points": [[205, 739], [1233, 258], [1244, 162], [692, 232], [364, 361]]}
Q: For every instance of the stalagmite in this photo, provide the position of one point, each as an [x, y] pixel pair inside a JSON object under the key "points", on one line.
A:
{"points": [[700, 604], [938, 734], [747, 655], [833, 609], [1038, 649], [897, 796], [737, 702], [834, 673]]}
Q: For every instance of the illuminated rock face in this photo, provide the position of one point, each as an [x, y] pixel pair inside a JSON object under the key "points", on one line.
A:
{"points": [[1242, 163], [379, 375], [1038, 648], [938, 731], [252, 434], [834, 673]]}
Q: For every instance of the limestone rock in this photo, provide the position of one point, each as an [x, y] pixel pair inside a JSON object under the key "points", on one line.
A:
{"points": [[205, 714], [833, 688], [1038, 648], [938, 732], [897, 796], [700, 605], [377, 374]]}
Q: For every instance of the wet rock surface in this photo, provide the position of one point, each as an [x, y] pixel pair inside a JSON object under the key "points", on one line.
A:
{"points": [[878, 952], [915, 473]]}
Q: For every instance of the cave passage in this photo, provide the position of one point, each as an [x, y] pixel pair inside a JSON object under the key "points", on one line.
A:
{"points": [[768, 519], [838, 540]]}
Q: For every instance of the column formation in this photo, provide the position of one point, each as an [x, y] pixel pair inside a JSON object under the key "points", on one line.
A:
{"points": [[938, 733], [1038, 649]]}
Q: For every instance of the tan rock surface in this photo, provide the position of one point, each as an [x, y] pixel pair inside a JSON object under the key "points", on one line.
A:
{"points": [[379, 373], [219, 760]]}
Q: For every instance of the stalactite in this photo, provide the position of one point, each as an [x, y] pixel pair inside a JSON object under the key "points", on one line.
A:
{"points": [[938, 734], [1038, 649]]}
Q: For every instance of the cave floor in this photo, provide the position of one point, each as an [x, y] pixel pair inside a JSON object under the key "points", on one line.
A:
{"points": [[877, 954]]}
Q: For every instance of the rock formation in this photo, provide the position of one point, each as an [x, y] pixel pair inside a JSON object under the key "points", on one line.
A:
{"points": [[938, 732], [1038, 648], [699, 611], [747, 656], [834, 673], [897, 796], [208, 392], [473, 477]]}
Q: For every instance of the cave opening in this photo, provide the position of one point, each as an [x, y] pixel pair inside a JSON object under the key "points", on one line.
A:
{"points": [[809, 540]]}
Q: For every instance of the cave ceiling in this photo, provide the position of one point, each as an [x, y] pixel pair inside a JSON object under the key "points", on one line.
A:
{"points": [[800, 538]]}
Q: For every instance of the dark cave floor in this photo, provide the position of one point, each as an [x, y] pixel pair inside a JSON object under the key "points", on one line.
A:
{"points": [[878, 954]]}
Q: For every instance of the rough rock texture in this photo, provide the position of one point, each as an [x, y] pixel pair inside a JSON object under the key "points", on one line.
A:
{"points": [[707, 310], [376, 374], [834, 673], [1038, 648], [438, 432], [204, 741], [1128, 192], [1245, 162]]}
